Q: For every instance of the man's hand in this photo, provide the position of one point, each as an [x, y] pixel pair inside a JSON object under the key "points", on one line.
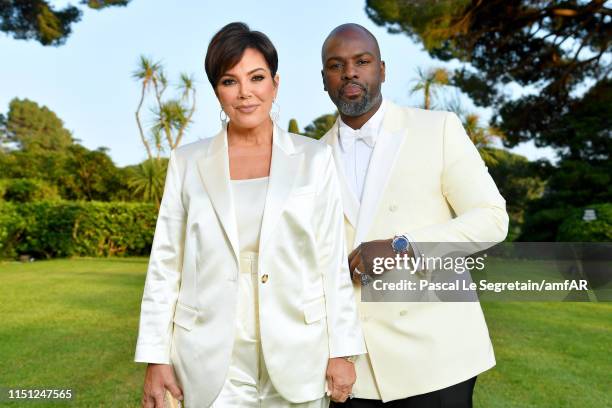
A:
{"points": [[361, 260], [340, 378], [158, 378]]}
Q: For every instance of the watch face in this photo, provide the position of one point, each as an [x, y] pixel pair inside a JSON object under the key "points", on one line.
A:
{"points": [[400, 244], [365, 280]]}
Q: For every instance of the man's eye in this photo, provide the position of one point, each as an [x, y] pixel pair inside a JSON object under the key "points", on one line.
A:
{"points": [[258, 78], [362, 62], [335, 66], [227, 82]]}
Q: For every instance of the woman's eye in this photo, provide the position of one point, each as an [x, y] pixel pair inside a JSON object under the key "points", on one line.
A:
{"points": [[258, 78], [227, 82]]}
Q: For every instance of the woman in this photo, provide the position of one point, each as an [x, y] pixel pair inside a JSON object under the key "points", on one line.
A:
{"points": [[248, 260]]}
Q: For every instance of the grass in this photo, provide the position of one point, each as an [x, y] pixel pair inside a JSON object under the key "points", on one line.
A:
{"points": [[73, 324]]}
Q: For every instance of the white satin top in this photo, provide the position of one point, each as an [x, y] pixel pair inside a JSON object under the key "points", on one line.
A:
{"points": [[249, 201]]}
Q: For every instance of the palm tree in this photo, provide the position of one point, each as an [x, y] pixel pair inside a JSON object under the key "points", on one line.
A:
{"points": [[172, 117], [429, 81], [148, 74], [482, 136], [148, 179]]}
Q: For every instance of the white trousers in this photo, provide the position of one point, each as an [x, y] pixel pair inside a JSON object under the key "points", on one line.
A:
{"points": [[248, 384]]}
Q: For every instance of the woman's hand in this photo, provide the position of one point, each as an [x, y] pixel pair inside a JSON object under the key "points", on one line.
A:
{"points": [[158, 378], [340, 378]]}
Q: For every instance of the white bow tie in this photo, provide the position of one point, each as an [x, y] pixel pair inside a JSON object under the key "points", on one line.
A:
{"points": [[349, 136]]}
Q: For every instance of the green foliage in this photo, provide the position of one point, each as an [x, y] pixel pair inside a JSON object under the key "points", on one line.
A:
{"points": [[320, 126], [39, 20], [559, 52], [518, 182], [575, 229], [293, 127], [78, 173], [33, 127], [47, 229], [542, 224], [171, 117], [27, 190], [11, 226], [147, 180], [429, 81], [559, 48]]}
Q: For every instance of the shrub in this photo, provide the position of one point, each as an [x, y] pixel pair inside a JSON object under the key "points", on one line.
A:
{"points": [[11, 229], [575, 229], [72, 228], [26, 189]]}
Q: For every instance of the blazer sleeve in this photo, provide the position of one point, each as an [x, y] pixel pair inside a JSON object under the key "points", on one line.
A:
{"points": [[344, 331], [163, 274], [470, 191]]}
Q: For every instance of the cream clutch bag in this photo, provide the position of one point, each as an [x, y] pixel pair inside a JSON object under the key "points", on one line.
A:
{"points": [[171, 402]]}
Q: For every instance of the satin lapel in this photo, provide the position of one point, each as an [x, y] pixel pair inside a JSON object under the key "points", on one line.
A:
{"points": [[385, 154], [284, 166], [349, 201], [214, 172]]}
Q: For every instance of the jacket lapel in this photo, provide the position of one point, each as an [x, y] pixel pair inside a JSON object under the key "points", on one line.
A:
{"points": [[381, 166], [283, 169], [349, 201], [214, 172]]}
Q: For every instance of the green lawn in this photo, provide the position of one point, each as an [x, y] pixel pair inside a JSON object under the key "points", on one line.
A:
{"points": [[73, 324]]}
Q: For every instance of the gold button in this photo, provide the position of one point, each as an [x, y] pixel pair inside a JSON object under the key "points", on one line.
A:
{"points": [[403, 313], [264, 278], [393, 207]]}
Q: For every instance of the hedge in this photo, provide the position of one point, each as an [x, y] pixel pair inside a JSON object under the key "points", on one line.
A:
{"points": [[47, 229], [575, 229]]}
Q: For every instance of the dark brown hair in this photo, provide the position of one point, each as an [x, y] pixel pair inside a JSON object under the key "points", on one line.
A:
{"points": [[227, 46]]}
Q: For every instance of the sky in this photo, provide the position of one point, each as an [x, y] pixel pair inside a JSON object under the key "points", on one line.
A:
{"points": [[88, 81]]}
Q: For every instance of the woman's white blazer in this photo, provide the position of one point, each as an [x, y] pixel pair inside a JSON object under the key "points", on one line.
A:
{"points": [[306, 305]]}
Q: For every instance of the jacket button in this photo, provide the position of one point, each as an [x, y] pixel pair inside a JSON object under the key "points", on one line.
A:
{"points": [[392, 207], [264, 278], [403, 313]]}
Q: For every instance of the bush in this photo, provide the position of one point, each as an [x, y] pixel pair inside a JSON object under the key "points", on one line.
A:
{"points": [[24, 190], [11, 227], [575, 229], [68, 228]]}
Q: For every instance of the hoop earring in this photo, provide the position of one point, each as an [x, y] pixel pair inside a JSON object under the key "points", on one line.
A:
{"points": [[223, 117], [275, 115]]}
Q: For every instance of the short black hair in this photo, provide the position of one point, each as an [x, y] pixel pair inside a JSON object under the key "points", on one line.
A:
{"points": [[227, 46]]}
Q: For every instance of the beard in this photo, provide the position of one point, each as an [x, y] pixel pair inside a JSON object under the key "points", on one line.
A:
{"points": [[358, 107]]}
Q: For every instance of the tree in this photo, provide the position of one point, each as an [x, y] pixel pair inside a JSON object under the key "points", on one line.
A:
{"points": [[38, 20], [148, 179], [293, 127], [556, 47], [429, 81], [519, 181], [482, 136], [559, 52], [171, 116], [320, 125], [33, 127]]}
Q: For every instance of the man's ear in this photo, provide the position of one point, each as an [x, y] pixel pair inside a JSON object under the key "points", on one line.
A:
{"points": [[323, 78], [382, 71]]}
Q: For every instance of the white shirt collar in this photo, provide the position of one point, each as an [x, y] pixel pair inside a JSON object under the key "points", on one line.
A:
{"points": [[370, 129]]}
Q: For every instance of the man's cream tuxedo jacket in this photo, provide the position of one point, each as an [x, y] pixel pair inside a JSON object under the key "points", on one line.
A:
{"points": [[306, 306], [426, 179]]}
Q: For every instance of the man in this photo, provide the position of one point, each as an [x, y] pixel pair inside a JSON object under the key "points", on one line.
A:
{"points": [[407, 176]]}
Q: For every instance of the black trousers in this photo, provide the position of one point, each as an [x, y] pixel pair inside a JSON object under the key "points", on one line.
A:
{"points": [[455, 396]]}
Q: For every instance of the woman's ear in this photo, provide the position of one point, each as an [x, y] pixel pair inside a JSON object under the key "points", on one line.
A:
{"points": [[276, 82]]}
